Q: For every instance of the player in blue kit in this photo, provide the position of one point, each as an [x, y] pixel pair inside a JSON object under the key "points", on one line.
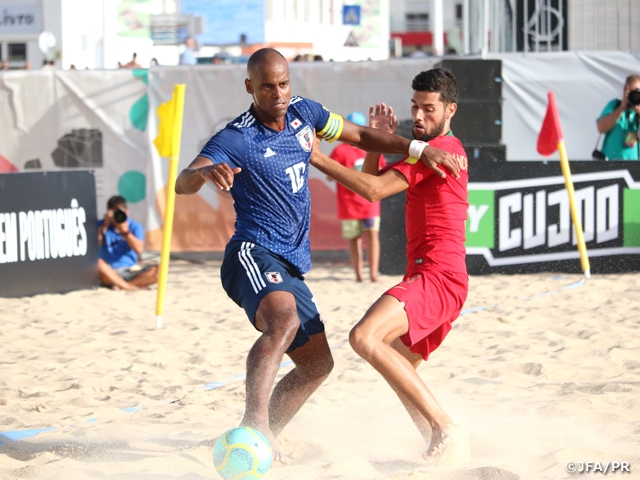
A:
{"points": [[262, 158]]}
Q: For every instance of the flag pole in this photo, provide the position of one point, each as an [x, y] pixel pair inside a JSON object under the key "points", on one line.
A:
{"points": [[577, 222], [178, 98], [551, 139]]}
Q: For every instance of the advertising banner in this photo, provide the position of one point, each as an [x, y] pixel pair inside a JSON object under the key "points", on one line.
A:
{"points": [[519, 219], [48, 239]]}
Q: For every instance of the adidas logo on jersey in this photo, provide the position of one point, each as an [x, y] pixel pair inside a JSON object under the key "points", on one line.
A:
{"points": [[269, 153], [296, 123]]}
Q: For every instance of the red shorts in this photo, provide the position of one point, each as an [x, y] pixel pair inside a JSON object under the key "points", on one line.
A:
{"points": [[432, 299]]}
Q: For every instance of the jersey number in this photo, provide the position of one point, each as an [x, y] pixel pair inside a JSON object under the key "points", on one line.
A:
{"points": [[295, 174]]}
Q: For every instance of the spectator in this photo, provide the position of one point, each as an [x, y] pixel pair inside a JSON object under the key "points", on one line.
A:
{"points": [[188, 57], [620, 121], [318, 58], [4, 65], [418, 52], [133, 63], [121, 241], [358, 216]]}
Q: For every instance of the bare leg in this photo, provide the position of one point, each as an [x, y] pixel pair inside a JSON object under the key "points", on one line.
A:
{"points": [[277, 319], [384, 322], [373, 253], [419, 420], [110, 277], [313, 364], [355, 254], [146, 278]]}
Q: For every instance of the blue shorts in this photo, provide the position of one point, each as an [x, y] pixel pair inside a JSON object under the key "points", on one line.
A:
{"points": [[249, 272]]}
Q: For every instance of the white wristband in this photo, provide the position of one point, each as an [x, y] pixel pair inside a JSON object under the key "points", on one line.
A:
{"points": [[416, 147]]}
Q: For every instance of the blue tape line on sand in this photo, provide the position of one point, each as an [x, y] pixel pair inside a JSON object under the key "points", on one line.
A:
{"points": [[16, 435]]}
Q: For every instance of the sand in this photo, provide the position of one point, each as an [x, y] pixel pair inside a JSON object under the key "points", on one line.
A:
{"points": [[540, 370]]}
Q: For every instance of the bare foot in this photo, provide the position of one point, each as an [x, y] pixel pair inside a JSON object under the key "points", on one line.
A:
{"points": [[375, 280], [449, 446], [278, 456]]}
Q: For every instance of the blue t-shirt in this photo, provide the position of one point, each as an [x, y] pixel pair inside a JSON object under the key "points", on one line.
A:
{"points": [[271, 194], [188, 57], [115, 250]]}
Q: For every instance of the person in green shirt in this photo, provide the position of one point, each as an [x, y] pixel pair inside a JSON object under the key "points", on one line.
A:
{"points": [[619, 122]]}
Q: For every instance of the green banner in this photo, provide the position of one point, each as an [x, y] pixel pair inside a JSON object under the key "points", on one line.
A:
{"points": [[481, 219], [631, 217]]}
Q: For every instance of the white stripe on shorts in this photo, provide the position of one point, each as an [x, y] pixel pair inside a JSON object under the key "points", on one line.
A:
{"points": [[250, 266], [255, 268]]}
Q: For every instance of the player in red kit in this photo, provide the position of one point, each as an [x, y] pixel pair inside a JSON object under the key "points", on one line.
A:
{"points": [[358, 217], [411, 320]]}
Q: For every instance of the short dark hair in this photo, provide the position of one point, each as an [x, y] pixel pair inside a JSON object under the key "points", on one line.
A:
{"points": [[439, 80], [116, 201]]}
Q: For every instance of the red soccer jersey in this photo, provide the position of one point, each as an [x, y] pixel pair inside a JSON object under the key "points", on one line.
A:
{"points": [[352, 206], [436, 210]]}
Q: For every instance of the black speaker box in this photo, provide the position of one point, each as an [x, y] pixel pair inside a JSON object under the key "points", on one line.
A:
{"points": [[486, 152], [477, 79], [478, 121], [393, 238]]}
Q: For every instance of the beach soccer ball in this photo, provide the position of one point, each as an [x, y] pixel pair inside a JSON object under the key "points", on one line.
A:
{"points": [[242, 453]]}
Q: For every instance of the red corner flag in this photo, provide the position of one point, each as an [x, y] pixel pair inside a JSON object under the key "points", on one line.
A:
{"points": [[551, 131]]}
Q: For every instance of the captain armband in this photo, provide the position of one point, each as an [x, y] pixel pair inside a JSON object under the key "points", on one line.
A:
{"points": [[333, 128]]}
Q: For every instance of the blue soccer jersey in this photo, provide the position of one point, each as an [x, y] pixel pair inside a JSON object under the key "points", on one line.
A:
{"points": [[271, 194]]}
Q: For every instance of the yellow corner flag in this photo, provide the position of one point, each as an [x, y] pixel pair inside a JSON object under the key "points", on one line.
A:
{"points": [[551, 139], [168, 144]]}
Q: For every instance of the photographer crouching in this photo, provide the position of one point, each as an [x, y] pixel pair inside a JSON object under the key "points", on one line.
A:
{"points": [[121, 241], [620, 122]]}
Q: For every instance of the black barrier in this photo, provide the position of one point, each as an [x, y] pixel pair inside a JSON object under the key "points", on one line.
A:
{"points": [[48, 234], [519, 219]]}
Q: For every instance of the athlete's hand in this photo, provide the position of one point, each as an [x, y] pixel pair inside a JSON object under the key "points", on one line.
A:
{"points": [[220, 174], [381, 117], [432, 157]]}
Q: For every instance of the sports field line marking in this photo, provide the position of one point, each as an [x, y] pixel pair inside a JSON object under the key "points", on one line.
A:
{"points": [[15, 435]]}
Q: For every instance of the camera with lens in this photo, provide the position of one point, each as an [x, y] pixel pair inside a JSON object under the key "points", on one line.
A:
{"points": [[119, 216], [634, 97]]}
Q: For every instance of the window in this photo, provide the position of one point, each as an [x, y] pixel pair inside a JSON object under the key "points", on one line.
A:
{"points": [[417, 22], [17, 52]]}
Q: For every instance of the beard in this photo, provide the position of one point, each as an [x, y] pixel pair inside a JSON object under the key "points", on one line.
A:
{"points": [[433, 132]]}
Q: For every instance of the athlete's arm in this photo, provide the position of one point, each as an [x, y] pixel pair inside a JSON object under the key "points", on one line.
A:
{"points": [[370, 139], [217, 163], [203, 170], [371, 187]]}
